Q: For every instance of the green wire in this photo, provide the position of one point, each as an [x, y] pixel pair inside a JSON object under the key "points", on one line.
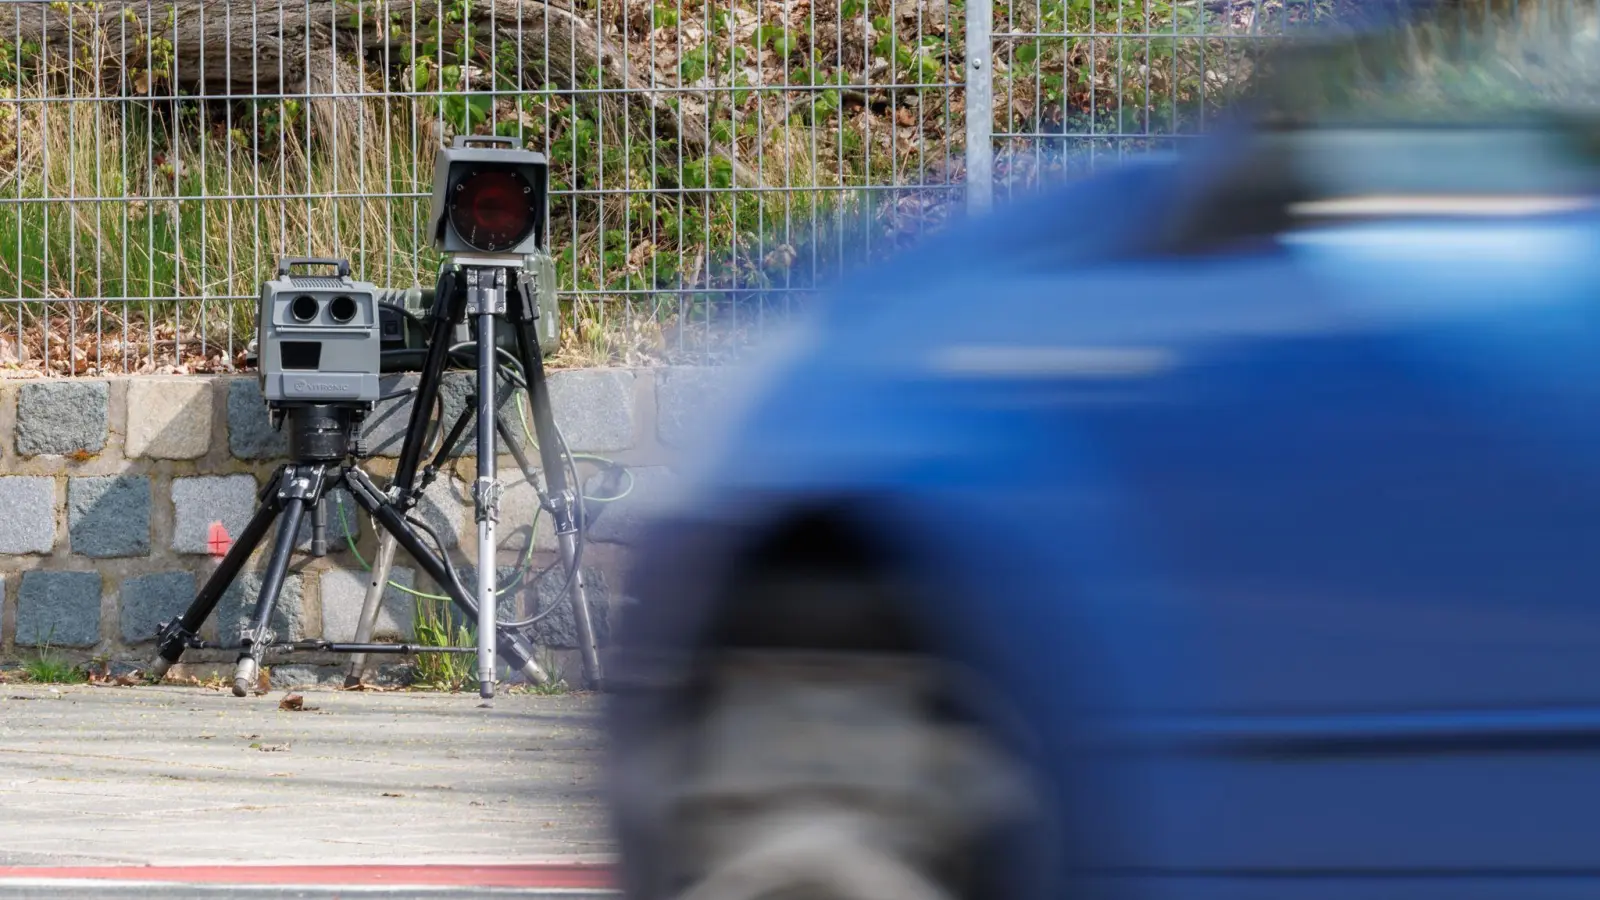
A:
{"points": [[349, 538], [527, 553], [527, 432]]}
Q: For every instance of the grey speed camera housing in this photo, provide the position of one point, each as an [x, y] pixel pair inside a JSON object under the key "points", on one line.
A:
{"points": [[489, 196], [318, 336]]}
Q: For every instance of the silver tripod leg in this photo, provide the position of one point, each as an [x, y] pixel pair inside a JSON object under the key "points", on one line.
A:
{"points": [[368, 622], [486, 492], [588, 646]]}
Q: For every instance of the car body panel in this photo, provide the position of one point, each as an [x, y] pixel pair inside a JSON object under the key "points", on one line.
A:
{"points": [[1287, 554]]}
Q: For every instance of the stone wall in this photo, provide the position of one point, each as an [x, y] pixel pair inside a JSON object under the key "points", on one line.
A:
{"points": [[109, 488]]}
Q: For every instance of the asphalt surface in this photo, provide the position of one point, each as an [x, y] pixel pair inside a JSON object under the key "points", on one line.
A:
{"points": [[193, 781]]}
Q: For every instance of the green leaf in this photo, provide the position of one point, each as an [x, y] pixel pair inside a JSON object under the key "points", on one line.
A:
{"points": [[1028, 52]]}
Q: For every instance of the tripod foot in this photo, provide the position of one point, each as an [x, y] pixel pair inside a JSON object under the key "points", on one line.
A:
{"points": [[159, 668], [486, 690], [244, 676], [532, 672]]}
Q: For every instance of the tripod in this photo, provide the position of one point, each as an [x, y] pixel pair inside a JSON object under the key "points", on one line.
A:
{"points": [[483, 291]]}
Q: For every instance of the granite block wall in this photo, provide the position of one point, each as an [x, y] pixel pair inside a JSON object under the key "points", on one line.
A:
{"points": [[109, 490]]}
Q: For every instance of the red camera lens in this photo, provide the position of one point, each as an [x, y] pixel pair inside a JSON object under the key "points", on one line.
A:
{"points": [[492, 209]]}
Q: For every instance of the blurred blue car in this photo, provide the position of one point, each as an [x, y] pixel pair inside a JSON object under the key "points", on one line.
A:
{"points": [[1219, 529]]}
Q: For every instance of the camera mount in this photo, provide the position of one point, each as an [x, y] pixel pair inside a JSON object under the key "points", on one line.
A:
{"points": [[489, 218]]}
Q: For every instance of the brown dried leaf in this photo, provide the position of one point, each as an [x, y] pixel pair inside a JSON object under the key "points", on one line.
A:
{"points": [[295, 703]]}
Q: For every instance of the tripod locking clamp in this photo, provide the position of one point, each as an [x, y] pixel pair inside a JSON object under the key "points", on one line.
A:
{"points": [[529, 308], [486, 497], [486, 291]]}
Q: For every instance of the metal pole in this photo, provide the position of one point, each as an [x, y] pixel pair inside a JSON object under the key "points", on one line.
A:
{"points": [[368, 622], [588, 646], [980, 107], [489, 300]]}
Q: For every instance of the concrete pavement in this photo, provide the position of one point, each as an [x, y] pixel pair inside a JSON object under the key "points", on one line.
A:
{"points": [[185, 776]]}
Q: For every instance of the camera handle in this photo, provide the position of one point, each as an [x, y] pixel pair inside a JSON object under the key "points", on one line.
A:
{"points": [[494, 140], [289, 263]]}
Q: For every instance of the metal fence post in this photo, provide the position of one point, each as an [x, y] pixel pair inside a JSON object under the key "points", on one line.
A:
{"points": [[980, 106]]}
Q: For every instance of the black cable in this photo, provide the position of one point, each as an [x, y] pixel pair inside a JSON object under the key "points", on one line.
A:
{"points": [[511, 368], [401, 309], [580, 514], [444, 553]]}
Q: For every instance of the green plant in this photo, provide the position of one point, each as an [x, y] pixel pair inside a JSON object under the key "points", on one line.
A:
{"points": [[47, 667], [557, 684], [437, 627]]}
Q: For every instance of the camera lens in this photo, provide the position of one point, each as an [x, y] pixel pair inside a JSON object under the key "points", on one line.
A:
{"points": [[342, 309], [303, 308], [493, 209]]}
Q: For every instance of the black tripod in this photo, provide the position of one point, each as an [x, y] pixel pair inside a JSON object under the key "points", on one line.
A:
{"points": [[323, 446]]}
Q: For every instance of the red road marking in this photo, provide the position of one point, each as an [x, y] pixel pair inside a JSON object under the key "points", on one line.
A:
{"points": [[550, 876]]}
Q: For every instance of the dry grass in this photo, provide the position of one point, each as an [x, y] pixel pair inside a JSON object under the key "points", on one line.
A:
{"points": [[664, 255]]}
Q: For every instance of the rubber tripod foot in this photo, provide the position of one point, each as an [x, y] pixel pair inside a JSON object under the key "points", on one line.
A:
{"points": [[486, 690], [244, 676]]}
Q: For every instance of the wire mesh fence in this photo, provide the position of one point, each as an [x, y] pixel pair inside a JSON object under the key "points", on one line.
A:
{"points": [[712, 161], [157, 156]]}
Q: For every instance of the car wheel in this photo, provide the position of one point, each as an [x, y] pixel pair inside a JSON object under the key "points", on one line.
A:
{"points": [[822, 755]]}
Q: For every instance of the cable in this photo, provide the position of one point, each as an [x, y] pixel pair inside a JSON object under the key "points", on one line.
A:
{"points": [[511, 369], [350, 540], [577, 547]]}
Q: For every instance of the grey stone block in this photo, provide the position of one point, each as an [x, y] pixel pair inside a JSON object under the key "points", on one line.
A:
{"points": [[148, 601], [29, 522], [250, 433], [442, 508], [59, 609], [169, 418], [339, 527], [284, 678], [594, 408], [519, 506], [559, 628], [201, 500], [619, 521], [686, 400], [344, 590], [456, 388], [62, 417], [109, 516], [394, 674], [385, 428], [239, 604]]}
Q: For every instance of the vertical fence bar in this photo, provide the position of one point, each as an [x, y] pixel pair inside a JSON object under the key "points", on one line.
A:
{"points": [[980, 106]]}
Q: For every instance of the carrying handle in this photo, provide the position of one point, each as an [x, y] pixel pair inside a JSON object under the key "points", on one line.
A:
{"points": [[468, 140], [290, 262]]}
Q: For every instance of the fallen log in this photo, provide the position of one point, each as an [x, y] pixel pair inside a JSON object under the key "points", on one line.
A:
{"points": [[244, 48]]}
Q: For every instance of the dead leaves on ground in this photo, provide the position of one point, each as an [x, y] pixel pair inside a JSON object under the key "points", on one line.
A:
{"points": [[101, 676], [295, 703]]}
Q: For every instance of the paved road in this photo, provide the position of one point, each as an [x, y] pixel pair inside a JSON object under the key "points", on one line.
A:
{"points": [[178, 776]]}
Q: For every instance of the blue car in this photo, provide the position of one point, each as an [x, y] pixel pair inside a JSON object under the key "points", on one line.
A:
{"points": [[1218, 528]]}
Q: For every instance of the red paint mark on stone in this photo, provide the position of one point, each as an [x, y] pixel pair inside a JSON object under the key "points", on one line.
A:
{"points": [[218, 540]]}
